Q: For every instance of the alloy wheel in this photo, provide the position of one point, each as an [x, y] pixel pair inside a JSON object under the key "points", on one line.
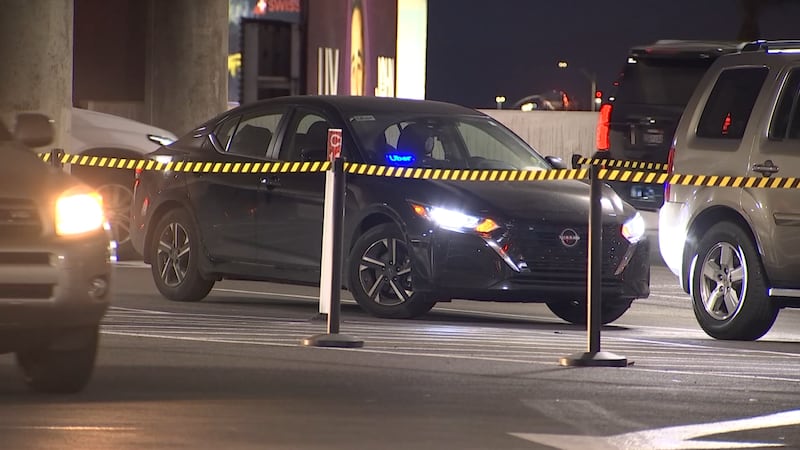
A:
{"points": [[173, 254], [723, 281], [117, 205], [385, 272]]}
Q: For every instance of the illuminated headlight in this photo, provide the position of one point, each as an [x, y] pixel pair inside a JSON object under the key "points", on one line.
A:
{"points": [[163, 159], [455, 220], [160, 140], [79, 213], [633, 229]]}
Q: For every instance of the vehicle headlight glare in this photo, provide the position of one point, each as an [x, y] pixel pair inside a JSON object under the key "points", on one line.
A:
{"points": [[79, 213], [633, 229], [160, 140], [450, 219]]}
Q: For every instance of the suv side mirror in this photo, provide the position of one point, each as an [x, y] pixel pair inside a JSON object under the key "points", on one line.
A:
{"points": [[34, 129]]}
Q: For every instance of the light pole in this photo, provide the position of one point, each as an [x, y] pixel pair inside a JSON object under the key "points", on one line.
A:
{"points": [[589, 76], [499, 100]]}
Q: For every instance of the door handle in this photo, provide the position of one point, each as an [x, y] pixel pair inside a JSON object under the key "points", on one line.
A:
{"points": [[766, 169]]}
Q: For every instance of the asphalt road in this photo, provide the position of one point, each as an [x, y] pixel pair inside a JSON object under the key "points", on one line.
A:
{"points": [[231, 372]]}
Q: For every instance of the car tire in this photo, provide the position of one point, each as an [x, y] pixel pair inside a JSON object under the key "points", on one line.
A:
{"points": [[117, 200], [52, 369], [575, 312], [174, 258], [728, 288], [380, 275]]}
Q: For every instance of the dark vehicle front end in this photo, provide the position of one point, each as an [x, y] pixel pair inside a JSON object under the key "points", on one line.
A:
{"points": [[55, 267]]}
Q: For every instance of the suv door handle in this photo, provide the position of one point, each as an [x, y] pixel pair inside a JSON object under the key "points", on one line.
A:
{"points": [[766, 169]]}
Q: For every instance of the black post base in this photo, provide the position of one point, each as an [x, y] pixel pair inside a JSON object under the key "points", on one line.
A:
{"points": [[594, 359], [333, 340]]}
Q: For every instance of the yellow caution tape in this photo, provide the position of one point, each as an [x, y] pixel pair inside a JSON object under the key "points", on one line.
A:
{"points": [[619, 163], [607, 174]]}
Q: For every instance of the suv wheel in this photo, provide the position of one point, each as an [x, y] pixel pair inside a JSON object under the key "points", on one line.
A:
{"points": [[61, 370], [174, 258], [728, 287], [381, 275], [575, 312]]}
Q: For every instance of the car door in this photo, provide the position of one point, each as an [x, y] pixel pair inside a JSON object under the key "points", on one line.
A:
{"points": [[225, 200], [776, 153], [290, 212]]}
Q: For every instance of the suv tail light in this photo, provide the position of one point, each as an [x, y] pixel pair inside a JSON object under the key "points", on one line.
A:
{"points": [[670, 163], [603, 128]]}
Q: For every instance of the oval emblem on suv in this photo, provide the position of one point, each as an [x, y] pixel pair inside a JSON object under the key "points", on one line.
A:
{"points": [[569, 237]]}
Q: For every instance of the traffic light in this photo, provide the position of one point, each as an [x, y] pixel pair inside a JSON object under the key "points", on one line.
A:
{"points": [[598, 94]]}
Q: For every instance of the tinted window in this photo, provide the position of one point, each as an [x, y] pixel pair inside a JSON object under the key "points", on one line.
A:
{"points": [[447, 142], [224, 132], [731, 101], [306, 139], [787, 115], [254, 134], [659, 81]]}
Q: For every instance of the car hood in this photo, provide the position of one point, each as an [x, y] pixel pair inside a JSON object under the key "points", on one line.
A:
{"points": [[565, 200], [92, 129]]}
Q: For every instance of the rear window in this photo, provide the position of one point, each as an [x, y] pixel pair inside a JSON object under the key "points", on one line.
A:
{"points": [[660, 81], [730, 103]]}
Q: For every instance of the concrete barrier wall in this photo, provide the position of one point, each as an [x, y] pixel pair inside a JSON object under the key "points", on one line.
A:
{"points": [[552, 133]]}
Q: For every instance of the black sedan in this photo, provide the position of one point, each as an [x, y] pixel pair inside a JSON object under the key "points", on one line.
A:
{"points": [[409, 243]]}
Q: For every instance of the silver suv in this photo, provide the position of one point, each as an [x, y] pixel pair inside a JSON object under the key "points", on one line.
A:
{"points": [[737, 249]]}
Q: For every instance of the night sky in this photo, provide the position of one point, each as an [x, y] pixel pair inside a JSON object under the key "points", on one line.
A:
{"points": [[478, 49]]}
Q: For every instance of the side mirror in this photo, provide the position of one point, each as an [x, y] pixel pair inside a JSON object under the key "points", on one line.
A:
{"points": [[34, 129], [556, 162]]}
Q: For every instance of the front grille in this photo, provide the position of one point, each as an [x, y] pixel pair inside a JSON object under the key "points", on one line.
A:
{"points": [[19, 218], [24, 258], [539, 245]]}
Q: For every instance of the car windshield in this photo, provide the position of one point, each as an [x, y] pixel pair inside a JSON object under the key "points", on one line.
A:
{"points": [[657, 81], [442, 142]]}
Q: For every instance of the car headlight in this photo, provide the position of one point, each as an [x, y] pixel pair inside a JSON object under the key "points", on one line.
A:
{"points": [[453, 220], [79, 212], [163, 159], [633, 229], [160, 140]]}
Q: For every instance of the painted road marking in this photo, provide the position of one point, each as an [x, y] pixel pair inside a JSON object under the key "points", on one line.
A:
{"points": [[684, 437]]}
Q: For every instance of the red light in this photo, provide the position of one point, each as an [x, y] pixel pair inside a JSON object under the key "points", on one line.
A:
{"points": [[726, 124], [603, 128], [598, 94]]}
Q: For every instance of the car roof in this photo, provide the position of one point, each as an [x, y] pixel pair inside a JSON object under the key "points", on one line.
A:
{"points": [[681, 48], [346, 103]]}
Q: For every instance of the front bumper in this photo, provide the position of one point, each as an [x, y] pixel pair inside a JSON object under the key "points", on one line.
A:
{"points": [[48, 283], [530, 268]]}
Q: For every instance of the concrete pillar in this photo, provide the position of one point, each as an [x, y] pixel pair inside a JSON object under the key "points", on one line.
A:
{"points": [[36, 66], [187, 79]]}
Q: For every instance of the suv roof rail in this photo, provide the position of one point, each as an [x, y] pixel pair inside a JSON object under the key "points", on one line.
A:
{"points": [[687, 48], [776, 46]]}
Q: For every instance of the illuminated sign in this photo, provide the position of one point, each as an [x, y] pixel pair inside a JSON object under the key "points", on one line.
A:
{"points": [[327, 71], [385, 87]]}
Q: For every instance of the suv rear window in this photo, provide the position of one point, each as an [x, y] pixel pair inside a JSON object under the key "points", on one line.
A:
{"points": [[730, 103], [657, 81]]}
